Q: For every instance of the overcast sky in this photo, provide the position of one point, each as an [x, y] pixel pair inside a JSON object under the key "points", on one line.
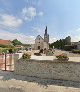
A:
{"points": [[25, 19]]}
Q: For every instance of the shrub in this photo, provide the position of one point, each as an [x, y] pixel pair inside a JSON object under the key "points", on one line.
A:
{"points": [[62, 57], [10, 50], [68, 47], [26, 56], [76, 51], [7, 50], [3, 50]]}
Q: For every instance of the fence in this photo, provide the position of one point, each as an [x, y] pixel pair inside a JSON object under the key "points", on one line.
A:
{"points": [[7, 61]]}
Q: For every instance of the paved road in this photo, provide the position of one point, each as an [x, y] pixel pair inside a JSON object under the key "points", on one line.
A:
{"points": [[9, 82]]}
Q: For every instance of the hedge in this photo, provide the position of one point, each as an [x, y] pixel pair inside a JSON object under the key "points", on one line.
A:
{"points": [[76, 51], [4, 50]]}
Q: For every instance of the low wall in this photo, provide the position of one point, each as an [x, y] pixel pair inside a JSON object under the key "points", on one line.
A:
{"points": [[49, 69]]}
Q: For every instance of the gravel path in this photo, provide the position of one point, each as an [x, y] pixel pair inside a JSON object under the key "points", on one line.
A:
{"points": [[9, 82]]}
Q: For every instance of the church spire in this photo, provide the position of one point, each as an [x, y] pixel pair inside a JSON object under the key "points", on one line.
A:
{"points": [[46, 30], [46, 36]]}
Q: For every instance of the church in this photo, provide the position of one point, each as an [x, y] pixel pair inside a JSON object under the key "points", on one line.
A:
{"points": [[42, 43]]}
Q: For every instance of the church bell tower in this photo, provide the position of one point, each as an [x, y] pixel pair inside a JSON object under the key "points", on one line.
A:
{"points": [[46, 36]]}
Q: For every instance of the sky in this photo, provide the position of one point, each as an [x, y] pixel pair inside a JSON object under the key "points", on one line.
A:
{"points": [[25, 19]]}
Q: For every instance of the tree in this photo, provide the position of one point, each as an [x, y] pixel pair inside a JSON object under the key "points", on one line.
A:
{"points": [[60, 44], [16, 42]]}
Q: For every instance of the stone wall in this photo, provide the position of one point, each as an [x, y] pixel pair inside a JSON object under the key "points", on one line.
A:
{"points": [[49, 69]]}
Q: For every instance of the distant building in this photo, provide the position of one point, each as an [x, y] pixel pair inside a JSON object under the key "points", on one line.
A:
{"points": [[76, 44], [41, 43], [19, 47], [5, 43]]}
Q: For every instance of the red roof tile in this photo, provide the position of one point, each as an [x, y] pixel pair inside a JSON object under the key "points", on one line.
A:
{"points": [[5, 42]]}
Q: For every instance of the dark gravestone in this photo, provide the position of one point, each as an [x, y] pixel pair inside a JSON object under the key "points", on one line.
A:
{"points": [[37, 54]]}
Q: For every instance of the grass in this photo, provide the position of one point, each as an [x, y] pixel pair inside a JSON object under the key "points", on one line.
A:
{"points": [[5, 49], [76, 51]]}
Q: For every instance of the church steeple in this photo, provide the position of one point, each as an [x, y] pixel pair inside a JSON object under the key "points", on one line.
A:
{"points": [[46, 31], [46, 36]]}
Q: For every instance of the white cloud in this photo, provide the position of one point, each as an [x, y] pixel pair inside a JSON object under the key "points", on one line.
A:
{"points": [[37, 29], [10, 21], [75, 38], [20, 36], [78, 30], [29, 13], [10, 36], [41, 14], [75, 35], [52, 39]]}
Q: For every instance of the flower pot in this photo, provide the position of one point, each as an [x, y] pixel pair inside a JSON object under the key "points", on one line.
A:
{"points": [[63, 59]]}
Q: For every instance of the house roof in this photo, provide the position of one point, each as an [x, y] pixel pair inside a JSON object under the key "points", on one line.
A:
{"points": [[5, 42]]}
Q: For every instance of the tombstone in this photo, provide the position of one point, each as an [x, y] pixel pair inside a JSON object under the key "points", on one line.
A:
{"points": [[50, 53], [45, 51], [41, 51]]}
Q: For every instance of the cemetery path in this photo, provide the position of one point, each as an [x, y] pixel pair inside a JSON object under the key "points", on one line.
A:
{"points": [[9, 82], [57, 52]]}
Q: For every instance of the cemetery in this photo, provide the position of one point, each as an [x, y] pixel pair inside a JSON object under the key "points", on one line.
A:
{"points": [[48, 68], [48, 63]]}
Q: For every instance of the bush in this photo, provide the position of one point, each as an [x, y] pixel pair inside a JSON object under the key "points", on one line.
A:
{"points": [[76, 51], [26, 56], [7, 50], [62, 57], [3, 50], [68, 47], [10, 50]]}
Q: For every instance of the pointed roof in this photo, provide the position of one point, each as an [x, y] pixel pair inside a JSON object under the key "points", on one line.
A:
{"points": [[39, 37], [46, 30]]}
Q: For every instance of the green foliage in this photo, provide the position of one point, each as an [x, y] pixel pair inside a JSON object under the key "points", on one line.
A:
{"points": [[16, 42], [26, 45], [76, 51], [7, 50], [59, 44], [3, 50], [62, 57], [26, 56], [68, 47], [3, 46]]}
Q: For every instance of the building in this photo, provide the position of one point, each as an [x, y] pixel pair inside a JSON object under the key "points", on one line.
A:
{"points": [[5, 43], [19, 47], [76, 44], [41, 43]]}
